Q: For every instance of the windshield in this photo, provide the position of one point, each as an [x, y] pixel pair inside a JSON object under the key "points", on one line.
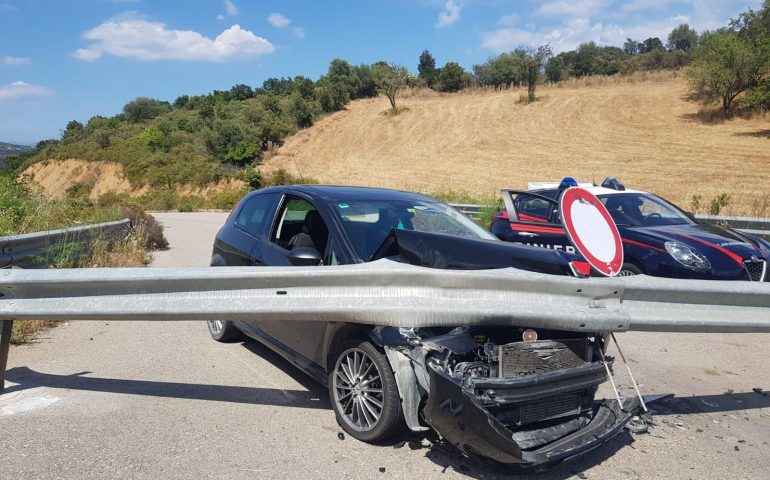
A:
{"points": [[367, 223], [642, 210]]}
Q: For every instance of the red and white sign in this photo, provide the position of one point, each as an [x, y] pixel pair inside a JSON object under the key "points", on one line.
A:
{"points": [[591, 230]]}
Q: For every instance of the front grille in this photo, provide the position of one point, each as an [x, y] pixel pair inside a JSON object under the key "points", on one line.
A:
{"points": [[529, 358], [549, 409], [756, 269]]}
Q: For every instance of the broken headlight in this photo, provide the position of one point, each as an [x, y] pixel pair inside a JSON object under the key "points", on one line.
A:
{"points": [[687, 256]]}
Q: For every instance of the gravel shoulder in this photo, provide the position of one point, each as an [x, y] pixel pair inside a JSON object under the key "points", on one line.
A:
{"points": [[162, 400]]}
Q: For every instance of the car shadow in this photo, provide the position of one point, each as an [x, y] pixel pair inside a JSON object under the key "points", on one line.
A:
{"points": [[318, 390], [315, 396]]}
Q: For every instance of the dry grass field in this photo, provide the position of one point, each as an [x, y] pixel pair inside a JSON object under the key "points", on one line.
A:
{"points": [[643, 130]]}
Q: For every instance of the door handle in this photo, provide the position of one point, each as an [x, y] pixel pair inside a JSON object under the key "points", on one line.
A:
{"points": [[528, 234]]}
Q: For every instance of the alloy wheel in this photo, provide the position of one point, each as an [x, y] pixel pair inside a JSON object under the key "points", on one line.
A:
{"points": [[358, 392]]}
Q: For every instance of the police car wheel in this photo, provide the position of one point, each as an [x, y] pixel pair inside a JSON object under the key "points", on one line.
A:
{"points": [[629, 269]]}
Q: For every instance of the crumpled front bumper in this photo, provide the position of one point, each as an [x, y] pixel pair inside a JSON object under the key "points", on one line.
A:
{"points": [[461, 419]]}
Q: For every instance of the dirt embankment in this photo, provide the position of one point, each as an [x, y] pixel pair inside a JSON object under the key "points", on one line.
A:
{"points": [[55, 177], [647, 133]]}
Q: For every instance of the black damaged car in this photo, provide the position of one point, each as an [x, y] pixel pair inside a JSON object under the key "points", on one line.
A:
{"points": [[519, 396]]}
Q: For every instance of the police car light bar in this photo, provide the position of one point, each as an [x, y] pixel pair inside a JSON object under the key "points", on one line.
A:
{"points": [[548, 185]]}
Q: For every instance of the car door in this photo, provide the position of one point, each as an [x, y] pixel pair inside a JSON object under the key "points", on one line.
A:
{"points": [[239, 244], [303, 338], [534, 220]]}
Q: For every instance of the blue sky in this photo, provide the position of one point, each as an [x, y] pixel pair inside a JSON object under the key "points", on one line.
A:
{"points": [[72, 59]]}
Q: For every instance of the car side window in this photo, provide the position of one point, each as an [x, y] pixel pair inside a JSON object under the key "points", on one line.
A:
{"points": [[255, 213], [300, 225], [533, 209]]}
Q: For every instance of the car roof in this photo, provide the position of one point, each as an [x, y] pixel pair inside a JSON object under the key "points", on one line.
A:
{"points": [[595, 190], [336, 193]]}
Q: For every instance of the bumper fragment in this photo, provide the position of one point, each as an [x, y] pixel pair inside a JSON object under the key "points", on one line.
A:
{"points": [[464, 422]]}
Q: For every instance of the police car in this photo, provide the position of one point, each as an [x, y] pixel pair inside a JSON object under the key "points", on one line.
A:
{"points": [[659, 238]]}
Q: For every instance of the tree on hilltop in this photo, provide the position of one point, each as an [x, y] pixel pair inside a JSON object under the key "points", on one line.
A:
{"points": [[682, 38], [390, 79], [427, 68]]}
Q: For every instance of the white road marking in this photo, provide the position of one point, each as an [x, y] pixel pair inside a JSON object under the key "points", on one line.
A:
{"points": [[28, 404]]}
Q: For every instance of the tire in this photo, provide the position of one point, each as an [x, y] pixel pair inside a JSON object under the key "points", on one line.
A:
{"points": [[354, 403], [223, 331], [629, 269]]}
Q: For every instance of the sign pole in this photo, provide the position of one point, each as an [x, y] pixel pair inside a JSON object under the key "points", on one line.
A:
{"points": [[5, 345]]}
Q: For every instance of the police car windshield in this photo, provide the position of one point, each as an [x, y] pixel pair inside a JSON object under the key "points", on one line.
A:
{"points": [[642, 210], [367, 223]]}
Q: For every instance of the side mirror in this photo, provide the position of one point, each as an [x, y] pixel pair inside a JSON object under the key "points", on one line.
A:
{"points": [[691, 216], [304, 257]]}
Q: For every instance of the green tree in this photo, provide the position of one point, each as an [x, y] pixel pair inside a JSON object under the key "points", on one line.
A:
{"points": [[631, 47], [650, 45], [366, 85], [72, 131], [103, 139], [427, 68], [181, 101], [143, 109], [253, 178], [725, 65], [241, 92], [554, 69], [451, 77], [341, 73], [390, 79], [682, 38], [504, 70], [534, 64], [242, 153]]}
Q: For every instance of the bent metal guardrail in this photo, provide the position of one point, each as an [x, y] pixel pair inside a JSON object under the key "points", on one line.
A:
{"points": [[34, 250], [384, 293]]}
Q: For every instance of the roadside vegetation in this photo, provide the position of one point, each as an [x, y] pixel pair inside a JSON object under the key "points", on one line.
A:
{"points": [[23, 210]]}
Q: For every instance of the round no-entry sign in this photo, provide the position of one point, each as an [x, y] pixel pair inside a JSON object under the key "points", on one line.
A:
{"points": [[591, 230]]}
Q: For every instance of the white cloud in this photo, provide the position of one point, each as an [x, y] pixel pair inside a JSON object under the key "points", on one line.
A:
{"points": [[17, 60], [449, 15], [299, 31], [563, 8], [575, 31], [220, 17], [232, 9], [508, 20], [138, 39], [277, 20], [21, 89]]}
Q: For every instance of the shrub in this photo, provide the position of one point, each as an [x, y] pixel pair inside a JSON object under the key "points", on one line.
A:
{"points": [[719, 202], [253, 178], [241, 153], [143, 109], [757, 98], [146, 224]]}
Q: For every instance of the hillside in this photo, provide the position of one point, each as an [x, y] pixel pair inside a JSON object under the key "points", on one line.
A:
{"points": [[645, 132], [7, 149]]}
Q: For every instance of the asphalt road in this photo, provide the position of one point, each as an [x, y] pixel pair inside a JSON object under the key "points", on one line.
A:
{"points": [[162, 400]]}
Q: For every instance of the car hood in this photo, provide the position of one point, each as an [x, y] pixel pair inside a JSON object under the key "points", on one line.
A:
{"points": [[458, 253], [710, 240]]}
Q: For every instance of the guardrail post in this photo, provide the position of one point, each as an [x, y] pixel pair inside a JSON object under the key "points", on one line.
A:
{"points": [[5, 345]]}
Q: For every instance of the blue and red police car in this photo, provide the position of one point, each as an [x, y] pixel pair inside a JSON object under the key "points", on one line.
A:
{"points": [[659, 238]]}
